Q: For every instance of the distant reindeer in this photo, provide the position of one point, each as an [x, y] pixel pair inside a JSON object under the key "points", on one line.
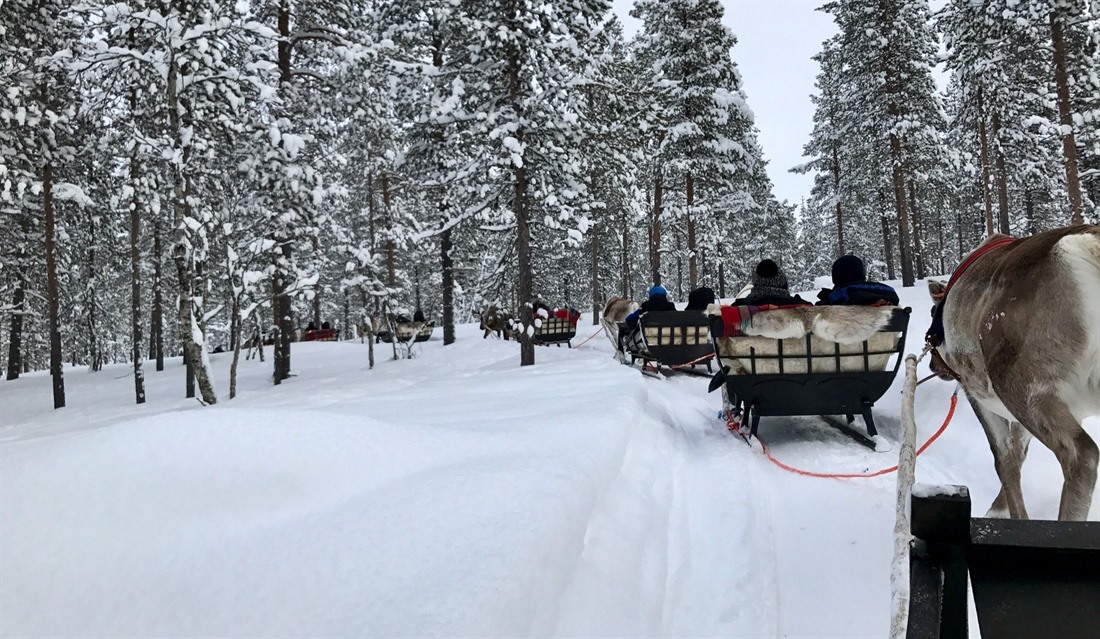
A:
{"points": [[1021, 331], [614, 313], [496, 321]]}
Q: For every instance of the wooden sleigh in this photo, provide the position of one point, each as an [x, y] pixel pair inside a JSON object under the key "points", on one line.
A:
{"points": [[811, 360], [675, 340], [408, 332], [556, 331]]}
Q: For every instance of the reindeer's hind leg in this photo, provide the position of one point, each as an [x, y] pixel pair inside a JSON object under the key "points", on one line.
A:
{"points": [[1008, 441], [1052, 423]]}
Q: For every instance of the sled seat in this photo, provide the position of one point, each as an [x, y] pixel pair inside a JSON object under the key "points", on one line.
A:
{"points": [[321, 335], [808, 360], [672, 339], [555, 330], [1029, 578], [424, 333], [406, 332]]}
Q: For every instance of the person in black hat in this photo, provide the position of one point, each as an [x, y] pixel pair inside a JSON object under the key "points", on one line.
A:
{"points": [[700, 298], [850, 286], [769, 286]]}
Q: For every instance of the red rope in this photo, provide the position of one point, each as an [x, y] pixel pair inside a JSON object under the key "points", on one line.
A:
{"points": [[589, 338], [692, 362], [884, 471]]}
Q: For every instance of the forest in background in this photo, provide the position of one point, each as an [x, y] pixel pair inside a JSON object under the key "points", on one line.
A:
{"points": [[175, 174]]}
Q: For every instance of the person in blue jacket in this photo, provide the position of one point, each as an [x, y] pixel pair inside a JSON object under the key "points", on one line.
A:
{"points": [[851, 288]]}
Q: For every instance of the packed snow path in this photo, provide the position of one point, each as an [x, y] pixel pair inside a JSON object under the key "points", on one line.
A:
{"points": [[450, 495]]}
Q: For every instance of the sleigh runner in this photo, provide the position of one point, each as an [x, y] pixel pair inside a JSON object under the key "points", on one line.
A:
{"points": [[809, 360]]}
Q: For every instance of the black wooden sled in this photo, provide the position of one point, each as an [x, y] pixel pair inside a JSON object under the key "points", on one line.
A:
{"points": [[807, 375], [669, 341]]}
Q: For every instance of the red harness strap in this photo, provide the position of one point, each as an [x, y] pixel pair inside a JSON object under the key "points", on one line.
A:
{"points": [[973, 257], [935, 335]]}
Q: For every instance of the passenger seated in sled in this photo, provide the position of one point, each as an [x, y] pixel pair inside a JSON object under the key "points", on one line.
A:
{"points": [[700, 299], [540, 308], [850, 286], [770, 288], [572, 314], [658, 301]]}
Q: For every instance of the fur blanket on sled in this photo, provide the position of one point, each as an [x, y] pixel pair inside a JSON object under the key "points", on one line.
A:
{"points": [[828, 326]]}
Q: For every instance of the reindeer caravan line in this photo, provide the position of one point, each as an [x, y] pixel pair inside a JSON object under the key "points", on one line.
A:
{"points": [[1027, 358]]}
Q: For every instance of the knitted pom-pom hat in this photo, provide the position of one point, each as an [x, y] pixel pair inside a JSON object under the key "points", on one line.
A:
{"points": [[768, 280]]}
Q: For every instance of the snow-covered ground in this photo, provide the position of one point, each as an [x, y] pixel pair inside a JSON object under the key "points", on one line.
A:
{"points": [[454, 494]]}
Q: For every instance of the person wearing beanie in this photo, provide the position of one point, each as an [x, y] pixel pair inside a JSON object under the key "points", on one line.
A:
{"points": [[850, 286], [769, 286], [700, 298], [658, 300]]}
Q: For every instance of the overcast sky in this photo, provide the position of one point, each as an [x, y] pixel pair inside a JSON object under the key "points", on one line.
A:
{"points": [[775, 40]]}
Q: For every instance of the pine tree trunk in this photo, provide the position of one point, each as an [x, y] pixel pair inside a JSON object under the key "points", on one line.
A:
{"points": [[445, 249], [941, 247], [887, 247], [191, 337], [1002, 180], [693, 262], [391, 256], [1065, 118], [655, 232], [680, 276], [918, 230], [1029, 210], [157, 320], [135, 278], [983, 140], [235, 338], [371, 212], [624, 257], [282, 316], [317, 307], [346, 326], [52, 294], [841, 249], [904, 247], [281, 304], [595, 255], [15, 343], [958, 230], [525, 278], [721, 279], [91, 301]]}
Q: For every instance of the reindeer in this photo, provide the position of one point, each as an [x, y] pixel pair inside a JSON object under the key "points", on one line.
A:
{"points": [[614, 313], [1021, 333], [496, 321]]}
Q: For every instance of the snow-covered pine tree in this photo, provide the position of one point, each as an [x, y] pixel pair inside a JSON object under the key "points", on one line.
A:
{"points": [[41, 103], [519, 68], [309, 44], [706, 136], [430, 38], [891, 100]]}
